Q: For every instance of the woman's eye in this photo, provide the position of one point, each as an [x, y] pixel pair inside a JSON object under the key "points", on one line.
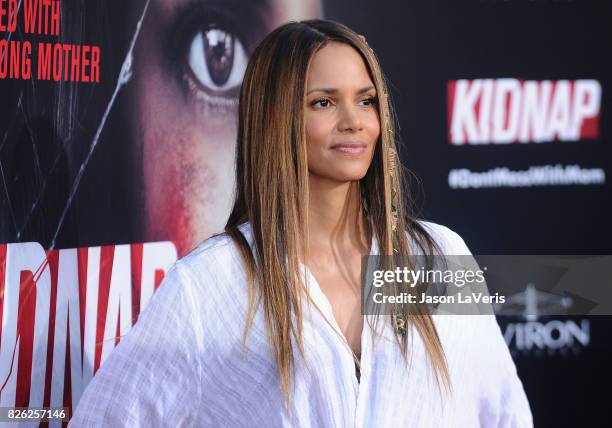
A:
{"points": [[217, 59], [369, 101], [322, 103]]}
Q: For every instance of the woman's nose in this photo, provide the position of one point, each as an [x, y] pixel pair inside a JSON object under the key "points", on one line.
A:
{"points": [[349, 119]]}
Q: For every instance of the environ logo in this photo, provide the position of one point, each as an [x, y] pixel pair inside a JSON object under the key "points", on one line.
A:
{"points": [[535, 336]]}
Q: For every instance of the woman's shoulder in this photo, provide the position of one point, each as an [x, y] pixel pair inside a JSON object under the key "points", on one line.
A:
{"points": [[207, 281], [449, 241], [217, 255]]}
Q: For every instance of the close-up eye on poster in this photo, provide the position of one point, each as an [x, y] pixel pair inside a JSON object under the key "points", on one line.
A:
{"points": [[305, 213]]}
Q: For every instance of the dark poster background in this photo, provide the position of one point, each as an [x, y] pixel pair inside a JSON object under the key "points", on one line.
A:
{"points": [[47, 129], [423, 45]]}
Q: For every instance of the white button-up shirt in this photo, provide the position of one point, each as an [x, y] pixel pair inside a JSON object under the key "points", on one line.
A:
{"points": [[183, 364]]}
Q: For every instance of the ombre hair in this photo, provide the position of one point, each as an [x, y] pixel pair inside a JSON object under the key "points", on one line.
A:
{"points": [[272, 188]]}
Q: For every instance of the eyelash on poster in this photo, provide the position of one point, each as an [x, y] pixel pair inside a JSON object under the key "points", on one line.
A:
{"points": [[222, 102], [211, 101], [185, 29]]}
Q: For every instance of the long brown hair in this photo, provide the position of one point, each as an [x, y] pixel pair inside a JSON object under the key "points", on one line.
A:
{"points": [[272, 187]]}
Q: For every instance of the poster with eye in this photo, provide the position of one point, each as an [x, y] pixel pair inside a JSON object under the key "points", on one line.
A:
{"points": [[118, 124], [117, 140]]}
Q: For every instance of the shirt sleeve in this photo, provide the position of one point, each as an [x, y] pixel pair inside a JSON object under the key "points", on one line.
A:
{"points": [[153, 377], [502, 401]]}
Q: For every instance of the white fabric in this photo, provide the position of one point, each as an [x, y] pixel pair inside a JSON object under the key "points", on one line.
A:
{"points": [[182, 363]]}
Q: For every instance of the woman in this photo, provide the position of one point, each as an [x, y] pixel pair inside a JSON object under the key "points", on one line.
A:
{"points": [[261, 326]]}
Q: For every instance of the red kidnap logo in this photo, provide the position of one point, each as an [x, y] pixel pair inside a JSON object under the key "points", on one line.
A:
{"points": [[502, 111]]}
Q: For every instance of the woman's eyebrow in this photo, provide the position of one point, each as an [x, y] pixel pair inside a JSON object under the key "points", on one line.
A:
{"points": [[334, 90]]}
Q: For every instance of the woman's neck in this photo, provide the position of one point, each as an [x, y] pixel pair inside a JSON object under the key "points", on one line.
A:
{"points": [[335, 215]]}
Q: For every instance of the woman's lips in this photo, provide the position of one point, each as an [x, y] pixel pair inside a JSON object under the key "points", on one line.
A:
{"points": [[350, 148]]}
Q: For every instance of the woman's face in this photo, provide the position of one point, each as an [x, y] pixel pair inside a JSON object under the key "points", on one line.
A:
{"points": [[189, 63], [341, 114]]}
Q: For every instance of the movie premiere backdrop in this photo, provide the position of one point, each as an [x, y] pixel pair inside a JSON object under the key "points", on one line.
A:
{"points": [[117, 136]]}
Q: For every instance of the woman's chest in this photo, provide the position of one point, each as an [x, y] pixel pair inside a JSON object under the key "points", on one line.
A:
{"points": [[326, 392], [341, 287]]}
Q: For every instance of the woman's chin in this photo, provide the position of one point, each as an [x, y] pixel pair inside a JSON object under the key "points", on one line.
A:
{"points": [[344, 176]]}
